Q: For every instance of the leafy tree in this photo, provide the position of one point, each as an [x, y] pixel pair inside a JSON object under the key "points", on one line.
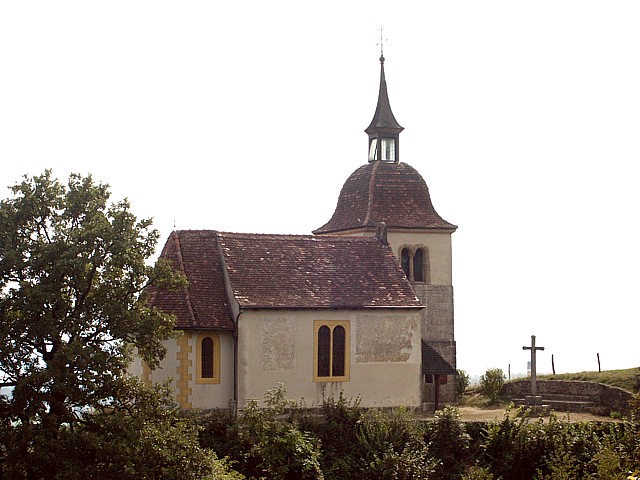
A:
{"points": [[141, 434], [73, 276], [492, 382], [462, 382]]}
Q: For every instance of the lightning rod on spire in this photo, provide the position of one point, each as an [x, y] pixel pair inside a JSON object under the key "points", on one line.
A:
{"points": [[382, 40]]}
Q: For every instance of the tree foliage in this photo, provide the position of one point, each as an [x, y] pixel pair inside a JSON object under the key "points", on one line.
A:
{"points": [[462, 382], [141, 434], [74, 272], [492, 382]]}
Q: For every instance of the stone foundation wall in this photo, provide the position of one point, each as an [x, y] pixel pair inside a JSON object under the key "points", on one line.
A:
{"points": [[607, 398]]}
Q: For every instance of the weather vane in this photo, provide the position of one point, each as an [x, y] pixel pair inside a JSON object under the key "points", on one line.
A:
{"points": [[382, 45]]}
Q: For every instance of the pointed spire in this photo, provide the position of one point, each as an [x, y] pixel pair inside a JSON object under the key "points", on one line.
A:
{"points": [[384, 129], [383, 120]]}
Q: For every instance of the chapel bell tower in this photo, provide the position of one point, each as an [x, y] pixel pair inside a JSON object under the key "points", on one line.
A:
{"points": [[386, 190]]}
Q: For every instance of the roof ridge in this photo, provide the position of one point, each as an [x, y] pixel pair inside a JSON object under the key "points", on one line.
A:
{"points": [[370, 198], [187, 295], [287, 236]]}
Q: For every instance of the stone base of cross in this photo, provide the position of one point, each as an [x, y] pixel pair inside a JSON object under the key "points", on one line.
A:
{"points": [[533, 400]]}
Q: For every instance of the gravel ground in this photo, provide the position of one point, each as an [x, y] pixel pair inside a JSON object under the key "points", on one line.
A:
{"points": [[486, 414]]}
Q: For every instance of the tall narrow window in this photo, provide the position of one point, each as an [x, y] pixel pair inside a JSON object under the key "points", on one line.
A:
{"points": [[405, 261], [208, 358], [331, 350], [337, 356], [388, 149], [324, 352], [373, 150], [418, 266]]}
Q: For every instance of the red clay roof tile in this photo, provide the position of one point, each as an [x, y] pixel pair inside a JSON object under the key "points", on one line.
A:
{"points": [[279, 272], [203, 303], [286, 271], [394, 193]]}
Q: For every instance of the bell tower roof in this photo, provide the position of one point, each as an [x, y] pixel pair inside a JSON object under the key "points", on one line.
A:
{"points": [[389, 192], [383, 119], [385, 189]]}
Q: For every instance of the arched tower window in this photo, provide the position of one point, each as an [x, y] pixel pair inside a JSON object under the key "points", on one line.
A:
{"points": [[404, 261], [418, 266], [415, 263]]}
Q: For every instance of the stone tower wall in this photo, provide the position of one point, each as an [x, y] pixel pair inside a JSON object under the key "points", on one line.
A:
{"points": [[438, 330]]}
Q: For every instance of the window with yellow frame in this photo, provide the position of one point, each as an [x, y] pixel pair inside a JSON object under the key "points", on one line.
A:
{"points": [[208, 358], [331, 351]]}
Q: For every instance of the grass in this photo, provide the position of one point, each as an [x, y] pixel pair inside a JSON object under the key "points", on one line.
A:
{"points": [[473, 398], [618, 378]]}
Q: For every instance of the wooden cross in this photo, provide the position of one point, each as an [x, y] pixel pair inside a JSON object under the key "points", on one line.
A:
{"points": [[533, 349]]}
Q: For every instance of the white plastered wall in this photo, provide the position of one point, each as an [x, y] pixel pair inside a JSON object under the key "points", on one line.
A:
{"points": [[278, 347], [202, 396]]}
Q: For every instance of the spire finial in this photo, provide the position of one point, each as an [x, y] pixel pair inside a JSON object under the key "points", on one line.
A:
{"points": [[381, 46]]}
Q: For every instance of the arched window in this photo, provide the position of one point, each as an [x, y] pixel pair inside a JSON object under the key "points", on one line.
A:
{"points": [[415, 263], [208, 358], [337, 357], [324, 352], [418, 266], [331, 348], [404, 260]]}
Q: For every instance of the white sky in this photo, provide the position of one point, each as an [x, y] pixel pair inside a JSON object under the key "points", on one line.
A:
{"points": [[523, 118]]}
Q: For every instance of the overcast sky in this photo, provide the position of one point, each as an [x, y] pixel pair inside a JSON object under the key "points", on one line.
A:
{"points": [[522, 117]]}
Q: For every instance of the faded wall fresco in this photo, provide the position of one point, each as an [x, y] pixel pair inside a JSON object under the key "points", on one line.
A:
{"points": [[278, 344], [385, 338]]}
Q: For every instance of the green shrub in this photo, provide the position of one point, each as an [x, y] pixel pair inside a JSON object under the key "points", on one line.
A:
{"points": [[342, 454], [449, 444], [515, 448], [263, 443], [477, 473], [394, 446], [462, 382], [491, 383]]}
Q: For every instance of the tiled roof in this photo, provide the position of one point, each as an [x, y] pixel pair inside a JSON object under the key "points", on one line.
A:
{"points": [[393, 193], [203, 303], [279, 272], [285, 271], [433, 363]]}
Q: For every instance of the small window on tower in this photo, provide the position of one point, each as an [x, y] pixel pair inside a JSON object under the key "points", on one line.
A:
{"points": [[418, 266], [388, 149], [373, 150], [405, 262]]}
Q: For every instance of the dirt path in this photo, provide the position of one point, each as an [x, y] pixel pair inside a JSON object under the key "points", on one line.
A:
{"points": [[476, 414]]}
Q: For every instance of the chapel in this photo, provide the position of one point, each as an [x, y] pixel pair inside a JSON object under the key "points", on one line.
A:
{"points": [[363, 307]]}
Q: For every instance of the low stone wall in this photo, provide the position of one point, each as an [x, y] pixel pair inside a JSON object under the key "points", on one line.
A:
{"points": [[607, 398]]}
